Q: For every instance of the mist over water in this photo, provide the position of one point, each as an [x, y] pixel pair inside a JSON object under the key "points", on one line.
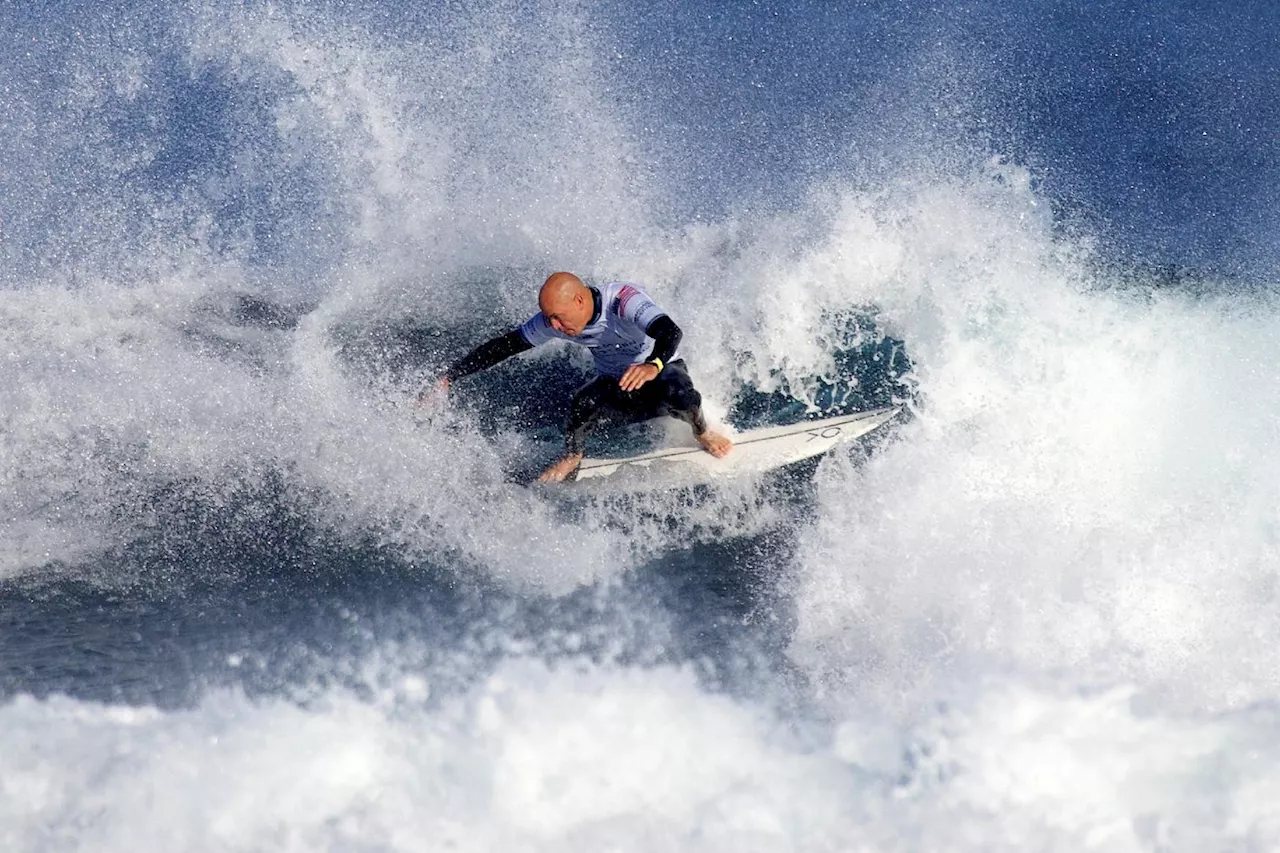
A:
{"points": [[251, 597]]}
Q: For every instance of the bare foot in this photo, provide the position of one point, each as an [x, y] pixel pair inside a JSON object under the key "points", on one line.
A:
{"points": [[561, 469], [714, 443]]}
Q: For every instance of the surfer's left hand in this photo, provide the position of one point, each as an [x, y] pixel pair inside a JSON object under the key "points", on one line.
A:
{"points": [[637, 375]]}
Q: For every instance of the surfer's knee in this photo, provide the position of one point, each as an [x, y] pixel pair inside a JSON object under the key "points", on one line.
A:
{"points": [[684, 398], [587, 401], [680, 393]]}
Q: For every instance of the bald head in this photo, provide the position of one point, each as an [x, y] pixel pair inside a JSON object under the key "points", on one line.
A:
{"points": [[560, 287], [566, 303]]}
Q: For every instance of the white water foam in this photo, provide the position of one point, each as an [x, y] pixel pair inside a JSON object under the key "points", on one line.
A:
{"points": [[1089, 486], [582, 758]]}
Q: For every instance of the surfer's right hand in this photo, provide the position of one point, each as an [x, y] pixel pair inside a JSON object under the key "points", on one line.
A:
{"points": [[432, 394]]}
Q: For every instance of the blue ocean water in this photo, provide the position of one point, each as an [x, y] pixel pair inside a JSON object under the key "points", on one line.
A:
{"points": [[252, 598]]}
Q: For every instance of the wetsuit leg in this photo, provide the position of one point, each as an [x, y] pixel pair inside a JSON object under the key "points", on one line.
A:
{"points": [[591, 402], [678, 397]]}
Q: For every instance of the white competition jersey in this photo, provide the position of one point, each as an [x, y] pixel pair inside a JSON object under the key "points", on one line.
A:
{"points": [[616, 338]]}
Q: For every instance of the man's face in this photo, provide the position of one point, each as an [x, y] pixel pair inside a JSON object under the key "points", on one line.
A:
{"points": [[568, 315]]}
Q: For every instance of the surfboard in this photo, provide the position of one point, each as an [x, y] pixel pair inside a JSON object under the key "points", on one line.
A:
{"points": [[754, 450]]}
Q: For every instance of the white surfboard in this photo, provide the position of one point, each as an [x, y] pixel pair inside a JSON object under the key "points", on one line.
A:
{"points": [[754, 450]]}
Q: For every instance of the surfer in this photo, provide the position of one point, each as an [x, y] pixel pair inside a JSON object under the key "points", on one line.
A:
{"points": [[637, 379]]}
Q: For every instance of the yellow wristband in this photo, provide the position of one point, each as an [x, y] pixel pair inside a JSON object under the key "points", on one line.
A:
{"points": [[656, 362]]}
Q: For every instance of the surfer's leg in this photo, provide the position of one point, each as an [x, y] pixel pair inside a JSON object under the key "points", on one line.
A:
{"points": [[677, 396], [681, 400], [591, 402]]}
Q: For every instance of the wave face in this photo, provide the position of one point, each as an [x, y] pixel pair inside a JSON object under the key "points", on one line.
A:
{"points": [[252, 598]]}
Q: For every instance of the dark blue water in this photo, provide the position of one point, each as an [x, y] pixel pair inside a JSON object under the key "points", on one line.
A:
{"points": [[1155, 126]]}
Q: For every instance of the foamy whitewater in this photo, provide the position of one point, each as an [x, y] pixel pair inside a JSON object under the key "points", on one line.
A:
{"points": [[253, 598]]}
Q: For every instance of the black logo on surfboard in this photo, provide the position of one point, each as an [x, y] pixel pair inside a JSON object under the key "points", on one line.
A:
{"points": [[825, 432]]}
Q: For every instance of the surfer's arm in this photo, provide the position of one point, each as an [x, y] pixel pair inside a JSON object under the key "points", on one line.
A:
{"points": [[666, 338], [487, 355]]}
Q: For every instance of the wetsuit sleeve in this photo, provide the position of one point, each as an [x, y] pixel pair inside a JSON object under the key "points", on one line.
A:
{"points": [[666, 338], [488, 354]]}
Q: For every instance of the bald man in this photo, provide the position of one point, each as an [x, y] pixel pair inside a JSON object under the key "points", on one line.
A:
{"points": [[635, 347]]}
